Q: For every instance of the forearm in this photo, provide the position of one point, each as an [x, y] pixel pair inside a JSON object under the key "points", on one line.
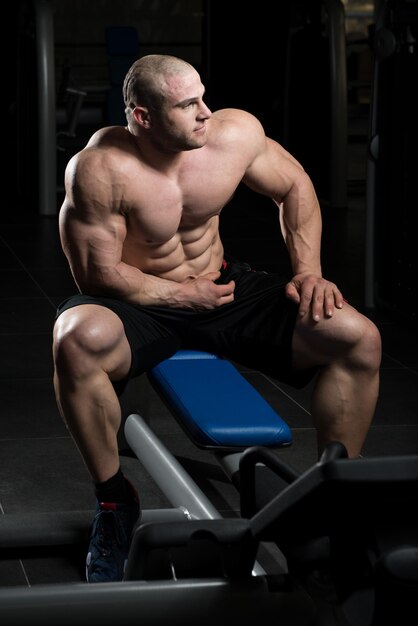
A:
{"points": [[301, 225], [128, 283]]}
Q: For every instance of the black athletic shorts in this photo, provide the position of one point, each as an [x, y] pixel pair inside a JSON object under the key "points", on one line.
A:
{"points": [[255, 330]]}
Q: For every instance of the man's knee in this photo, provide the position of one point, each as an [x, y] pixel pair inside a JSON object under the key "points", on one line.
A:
{"points": [[82, 338], [360, 340], [369, 343], [347, 336]]}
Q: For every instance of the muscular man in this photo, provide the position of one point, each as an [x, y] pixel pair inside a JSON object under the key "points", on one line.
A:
{"points": [[140, 228]]}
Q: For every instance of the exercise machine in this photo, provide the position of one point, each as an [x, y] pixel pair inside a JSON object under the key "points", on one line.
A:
{"points": [[345, 532]]}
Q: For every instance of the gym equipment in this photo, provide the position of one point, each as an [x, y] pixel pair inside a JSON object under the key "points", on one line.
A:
{"points": [[346, 529], [391, 261]]}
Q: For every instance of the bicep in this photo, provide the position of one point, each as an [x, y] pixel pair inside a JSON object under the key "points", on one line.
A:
{"points": [[273, 172], [92, 228], [92, 241]]}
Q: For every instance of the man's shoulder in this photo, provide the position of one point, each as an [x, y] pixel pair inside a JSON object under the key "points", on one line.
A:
{"points": [[104, 146], [110, 138], [237, 126], [235, 116]]}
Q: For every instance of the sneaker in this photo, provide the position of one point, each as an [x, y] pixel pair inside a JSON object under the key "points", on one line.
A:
{"points": [[110, 541]]}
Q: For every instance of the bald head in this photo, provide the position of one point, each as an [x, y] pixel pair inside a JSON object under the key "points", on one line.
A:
{"points": [[144, 82]]}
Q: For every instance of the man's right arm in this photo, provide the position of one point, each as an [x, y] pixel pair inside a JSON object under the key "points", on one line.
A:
{"points": [[93, 229]]}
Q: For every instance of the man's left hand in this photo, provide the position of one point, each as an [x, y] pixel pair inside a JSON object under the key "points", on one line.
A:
{"points": [[314, 294]]}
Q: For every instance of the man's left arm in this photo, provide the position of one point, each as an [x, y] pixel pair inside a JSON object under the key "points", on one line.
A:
{"points": [[275, 173]]}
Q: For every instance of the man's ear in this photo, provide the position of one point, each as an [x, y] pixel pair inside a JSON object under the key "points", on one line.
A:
{"points": [[141, 116]]}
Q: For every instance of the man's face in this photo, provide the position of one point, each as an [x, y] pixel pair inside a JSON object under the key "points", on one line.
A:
{"points": [[180, 124]]}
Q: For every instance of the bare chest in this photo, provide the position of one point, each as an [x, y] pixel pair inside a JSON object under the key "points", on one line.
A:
{"points": [[163, 207]]}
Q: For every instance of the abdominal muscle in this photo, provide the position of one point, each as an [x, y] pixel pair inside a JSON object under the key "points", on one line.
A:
{"points": [[191, 252]]}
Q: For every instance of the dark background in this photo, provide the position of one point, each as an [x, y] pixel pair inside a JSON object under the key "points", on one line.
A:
{"points": [[274, 60]]}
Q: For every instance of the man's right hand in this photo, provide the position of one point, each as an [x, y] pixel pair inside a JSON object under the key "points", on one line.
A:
{"points": [[203, 293]]}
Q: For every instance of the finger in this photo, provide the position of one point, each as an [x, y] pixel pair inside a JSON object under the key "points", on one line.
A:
{"points": [[306, 300], [329, 303], [338, 298], [226, 290], [292, 293], [318, 303], [333, 299], [225, 293], [226, 299]]}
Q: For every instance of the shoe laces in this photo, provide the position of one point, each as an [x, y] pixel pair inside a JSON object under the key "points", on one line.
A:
{"points": [[108, 528]]}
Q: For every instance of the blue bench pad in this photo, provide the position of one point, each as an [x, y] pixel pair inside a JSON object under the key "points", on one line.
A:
{"points": [[215, 404]]}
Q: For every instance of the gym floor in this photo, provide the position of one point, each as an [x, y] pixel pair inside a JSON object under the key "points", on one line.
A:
{"points": [[40, 468]]}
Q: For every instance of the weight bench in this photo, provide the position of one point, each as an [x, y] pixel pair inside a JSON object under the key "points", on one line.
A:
{"points": [[215, 404], [218, 409]]}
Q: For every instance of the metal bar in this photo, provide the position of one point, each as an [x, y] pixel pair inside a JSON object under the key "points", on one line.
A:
{"points": [[371, 176], [204, 602], [168, 473], [46, 108], [171, 477], [338, 86]]}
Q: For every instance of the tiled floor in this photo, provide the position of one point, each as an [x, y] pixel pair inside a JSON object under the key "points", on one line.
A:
{"points": [[40, 469]]}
